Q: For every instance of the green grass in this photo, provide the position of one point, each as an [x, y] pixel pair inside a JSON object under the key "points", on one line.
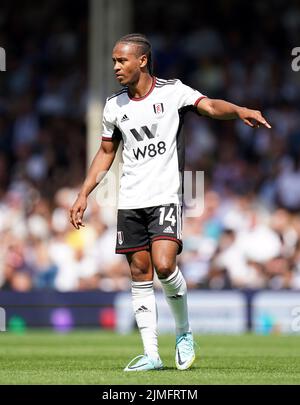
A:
{"points": [[94, 357]]}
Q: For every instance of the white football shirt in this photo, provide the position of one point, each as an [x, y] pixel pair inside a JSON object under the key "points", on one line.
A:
{"points": [[153, 149]]}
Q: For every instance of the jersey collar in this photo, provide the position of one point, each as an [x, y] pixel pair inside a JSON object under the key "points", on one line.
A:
{"points": [[146, 95]]}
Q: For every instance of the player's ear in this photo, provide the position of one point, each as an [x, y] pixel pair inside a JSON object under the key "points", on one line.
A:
{"points": [[143, 61]]}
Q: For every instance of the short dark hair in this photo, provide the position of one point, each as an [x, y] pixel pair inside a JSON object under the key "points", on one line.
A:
{"points": [[144, 44]]}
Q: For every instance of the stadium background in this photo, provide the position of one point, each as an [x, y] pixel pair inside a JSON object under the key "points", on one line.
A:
{"points": [[248, 239]]}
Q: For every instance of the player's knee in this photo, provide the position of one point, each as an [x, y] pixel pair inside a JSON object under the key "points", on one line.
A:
{"points": [[139, 273], [164, 270], [140, 269]]}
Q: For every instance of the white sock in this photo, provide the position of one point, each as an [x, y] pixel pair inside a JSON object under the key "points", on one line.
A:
{"points": [[144, 306], [176, 294]]}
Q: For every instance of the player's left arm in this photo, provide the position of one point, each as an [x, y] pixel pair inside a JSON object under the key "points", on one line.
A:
{"points": [[223, 110]]}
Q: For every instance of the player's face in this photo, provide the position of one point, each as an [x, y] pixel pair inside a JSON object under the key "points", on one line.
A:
{"points": [[127, 63]]}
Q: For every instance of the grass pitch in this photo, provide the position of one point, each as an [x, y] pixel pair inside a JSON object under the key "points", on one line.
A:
{"points": [[96, 357]]}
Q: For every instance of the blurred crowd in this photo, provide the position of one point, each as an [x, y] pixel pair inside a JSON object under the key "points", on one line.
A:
{"points": [[248, 235]]}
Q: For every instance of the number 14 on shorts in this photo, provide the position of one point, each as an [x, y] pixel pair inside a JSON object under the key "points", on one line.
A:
{"points": [[167, 217], [170, 217]]}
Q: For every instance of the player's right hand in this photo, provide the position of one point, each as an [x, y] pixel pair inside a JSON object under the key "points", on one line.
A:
{"points": [[77, 211]]}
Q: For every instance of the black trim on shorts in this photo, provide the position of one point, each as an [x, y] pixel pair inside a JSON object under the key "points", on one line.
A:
{"points": [[133, 249], [164, 237]]}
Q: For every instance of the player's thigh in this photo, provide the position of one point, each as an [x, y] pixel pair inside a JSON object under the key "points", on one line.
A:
{"points": [[163, 255], [140, 264]]}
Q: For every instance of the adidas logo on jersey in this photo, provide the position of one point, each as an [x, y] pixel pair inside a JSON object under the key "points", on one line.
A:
{"points": [[124, 118], [168, 230], [142, 309]]}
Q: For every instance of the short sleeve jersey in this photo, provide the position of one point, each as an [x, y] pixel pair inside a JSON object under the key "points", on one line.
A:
{"points": [[153, 147]]}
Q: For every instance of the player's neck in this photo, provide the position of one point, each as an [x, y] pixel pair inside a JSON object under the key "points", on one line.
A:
{"points": [[141, 88]]}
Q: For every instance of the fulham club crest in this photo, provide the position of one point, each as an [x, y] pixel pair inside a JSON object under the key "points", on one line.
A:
{"points": [[158, 109], [120, 237]]}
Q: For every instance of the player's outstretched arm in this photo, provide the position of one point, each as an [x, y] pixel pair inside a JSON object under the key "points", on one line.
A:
{"points": [[100, 165], [223, 110]]}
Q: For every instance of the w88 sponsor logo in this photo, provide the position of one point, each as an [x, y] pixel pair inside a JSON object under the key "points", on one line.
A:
{"points": [[150, 150]]}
